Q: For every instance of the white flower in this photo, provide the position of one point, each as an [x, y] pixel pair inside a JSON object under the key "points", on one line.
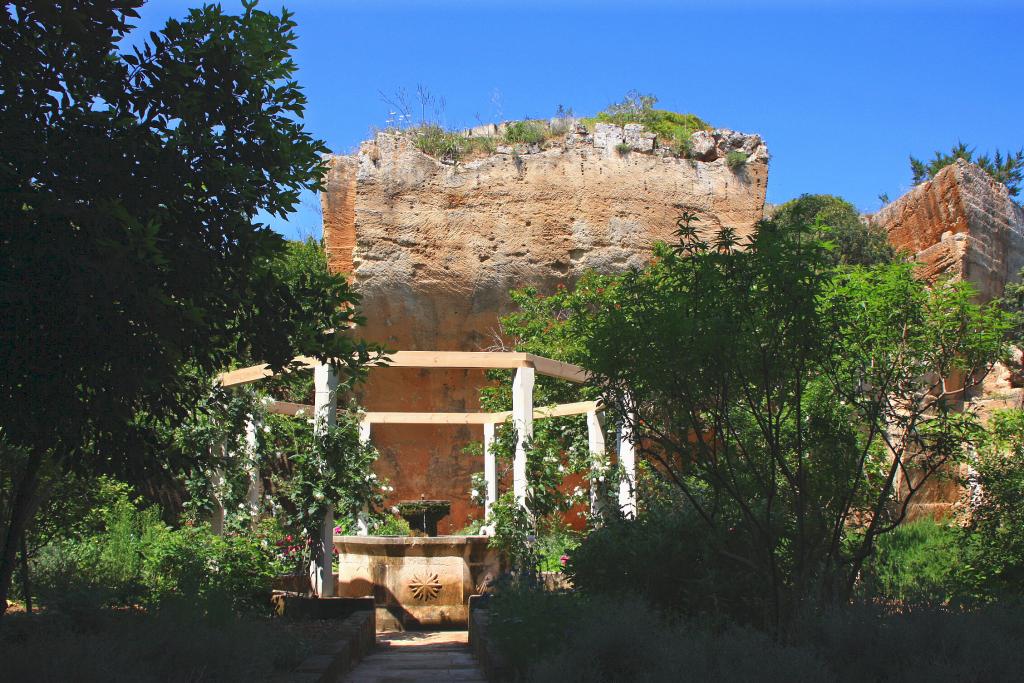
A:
{"points": [[394, 509], [473, 493], [561, 468], [266, 429]]}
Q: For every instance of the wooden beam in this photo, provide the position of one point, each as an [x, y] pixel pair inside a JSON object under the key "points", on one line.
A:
{"points": [[293, 409], [486, 360], [254, 373], [562, 410], [556, 368]]}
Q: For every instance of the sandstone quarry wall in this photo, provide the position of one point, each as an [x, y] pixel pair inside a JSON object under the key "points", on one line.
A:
{"points": [[434, 247], [962, 225]]}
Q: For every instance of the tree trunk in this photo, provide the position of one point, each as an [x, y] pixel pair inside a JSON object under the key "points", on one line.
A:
{"points": [[26, 587], [22, 510]]}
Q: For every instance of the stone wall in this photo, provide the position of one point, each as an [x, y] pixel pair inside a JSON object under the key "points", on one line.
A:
{"points": [[434, 248], [962, 225]]}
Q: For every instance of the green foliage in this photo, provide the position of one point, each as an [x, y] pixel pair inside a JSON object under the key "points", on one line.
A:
{"points": [[667, 557], [853, 241], [526, 132], [146, 647], [1008, 169], [568, 637], [994, 546], [124, 555], [329, 468], [554, 541], [736, 159], [391, 525], [781, 397], [451, 146], [512, 528], [133, 179], [673, 129], [623, 148], [919, 563]]}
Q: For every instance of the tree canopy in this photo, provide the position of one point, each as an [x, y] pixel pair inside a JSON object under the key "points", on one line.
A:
{"points": [[130, 186], [797, 408], [1007, 168]]}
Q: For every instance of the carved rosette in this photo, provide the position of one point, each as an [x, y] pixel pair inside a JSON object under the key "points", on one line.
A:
{"points": [[425, 589]]}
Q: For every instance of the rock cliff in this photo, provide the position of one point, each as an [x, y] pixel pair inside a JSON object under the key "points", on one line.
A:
{"points": [[434, 247], [962, 225]]}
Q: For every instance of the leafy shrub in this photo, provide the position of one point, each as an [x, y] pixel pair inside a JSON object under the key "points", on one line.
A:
{"points": [[569, 637], [994, 545], [130, 646], [555, 540], [441, 144], [126, 556], [672, 128], [668, 558], [736, 159], [917, 563], [391, 525], [526, 132], [512, 528], [623, 148]]}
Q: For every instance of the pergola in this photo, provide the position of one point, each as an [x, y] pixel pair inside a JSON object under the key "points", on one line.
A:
{"points": [[523, 413]]}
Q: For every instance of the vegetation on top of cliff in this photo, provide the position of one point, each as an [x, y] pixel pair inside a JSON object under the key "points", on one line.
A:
{"points": [[672, 128], [1008, 169]]}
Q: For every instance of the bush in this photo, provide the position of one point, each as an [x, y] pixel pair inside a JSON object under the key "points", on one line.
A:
{"points": [[125, 556], [623, 148], [668, 559], [994, 544], [568, 637], [137, 647], [917, 563], [672, 128], [526, 132], [736, 159], [392, 525]]}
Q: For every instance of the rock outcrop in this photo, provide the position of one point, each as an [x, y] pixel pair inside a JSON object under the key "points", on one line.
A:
{"points": [[434, 248], [962, 225]]}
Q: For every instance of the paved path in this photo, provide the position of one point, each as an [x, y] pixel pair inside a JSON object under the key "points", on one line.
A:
{"points": [[419, 656]]}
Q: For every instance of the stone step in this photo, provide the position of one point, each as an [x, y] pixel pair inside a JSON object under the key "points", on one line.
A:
{"points": [[427, 657]]}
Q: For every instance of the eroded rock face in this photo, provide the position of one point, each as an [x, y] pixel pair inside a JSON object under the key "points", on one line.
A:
{"points": [[434, 249], [962, 225]]}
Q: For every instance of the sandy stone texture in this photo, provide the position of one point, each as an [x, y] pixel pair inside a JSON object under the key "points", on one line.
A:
{"points": [[434, 249], [962, 225]]}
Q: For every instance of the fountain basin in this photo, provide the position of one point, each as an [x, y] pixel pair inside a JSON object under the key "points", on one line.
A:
{"points": [[417, 581]]}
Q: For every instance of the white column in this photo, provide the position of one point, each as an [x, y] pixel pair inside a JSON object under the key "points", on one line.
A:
{"points": [[253, 495], [490, 470], [627, 463], [522, 417], [325, 408], [218, 514], [595, 442], [363, 517]]}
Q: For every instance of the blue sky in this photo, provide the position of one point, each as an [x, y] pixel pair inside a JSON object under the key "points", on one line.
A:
{"points": [[842, 92]]}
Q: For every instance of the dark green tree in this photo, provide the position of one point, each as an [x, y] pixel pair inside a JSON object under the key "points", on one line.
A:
{"points": [[130, 185], [855, 242], [1007, 169], [797, 408]]}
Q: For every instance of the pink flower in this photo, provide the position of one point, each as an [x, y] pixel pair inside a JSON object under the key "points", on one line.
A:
{"points": [[564, 559]]}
